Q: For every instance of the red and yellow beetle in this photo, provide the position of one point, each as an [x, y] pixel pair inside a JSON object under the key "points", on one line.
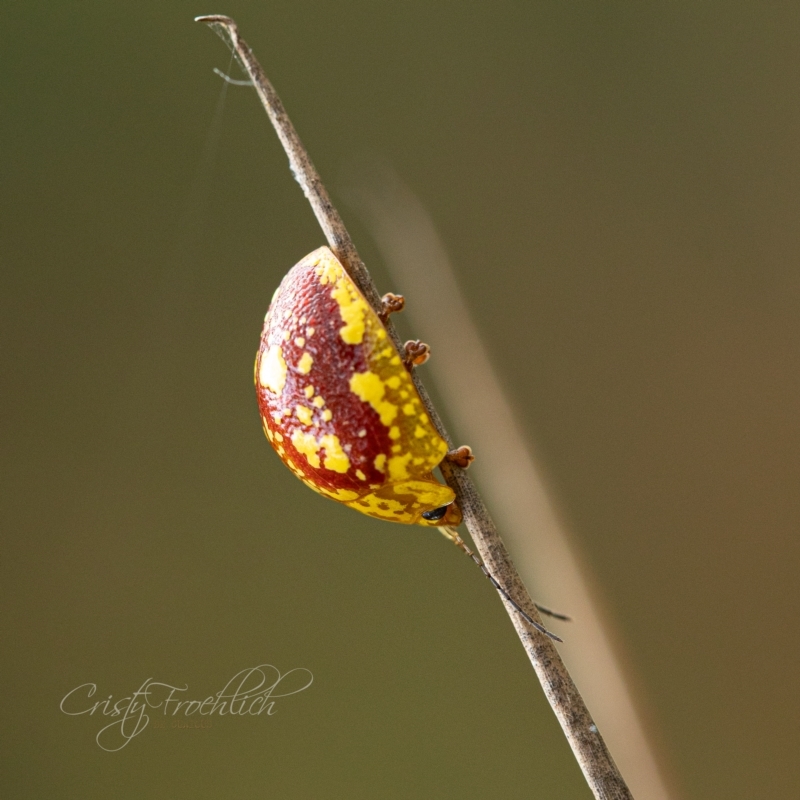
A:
{"points": [[338, 404]]}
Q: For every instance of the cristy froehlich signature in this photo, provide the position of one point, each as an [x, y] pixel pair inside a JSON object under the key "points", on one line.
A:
{"points": [[251, 692]]}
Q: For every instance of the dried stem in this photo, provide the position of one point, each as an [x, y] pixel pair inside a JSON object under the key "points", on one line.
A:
{"points": [[588, 746]]}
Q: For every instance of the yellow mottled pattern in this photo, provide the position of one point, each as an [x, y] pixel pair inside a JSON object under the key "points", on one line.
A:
{"points": [[427, 494], [369, 387], [404, 502], [272, 374], [335, 458], [304, 414], [398, 467], [383, 508], [386, 385], [329, 270], [304, 364], [402, 486], [342, 495], [306, 445], [353, 308]]}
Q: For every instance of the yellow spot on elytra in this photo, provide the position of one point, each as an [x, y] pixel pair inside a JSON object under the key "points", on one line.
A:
{"points": [[335, 458], [328, 272], [362, 433], [310, 332], [370, 388], [352, 308], [294, 468], [272, 374], [394, 432], [304, 364], [408, 408], [419, 432], [287, 412], [393, 382], [398, 467], [302, 320], [327, 415], [278, 436], [388, 352], [304, 414], [360, 475], [428, 492], [309, 391], [343, 495], [404, 393], [306, 445], [300, 341], [382, 507], [277, 416], [395, 360], [318, 401], [380, 462], [381, 333], [286, 336], [281, 450], [287, 313]]}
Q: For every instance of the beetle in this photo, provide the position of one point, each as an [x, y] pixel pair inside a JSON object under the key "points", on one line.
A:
{"points": [[339, 407], [338, 404]]}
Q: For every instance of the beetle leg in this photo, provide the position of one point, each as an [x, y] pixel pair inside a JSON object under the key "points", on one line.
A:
{"points": [[417, 353], [452, 535], [391, 304], [461, 456]]}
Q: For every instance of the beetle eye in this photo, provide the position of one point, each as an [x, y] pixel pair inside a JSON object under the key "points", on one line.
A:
{"points": [[437, 513]]}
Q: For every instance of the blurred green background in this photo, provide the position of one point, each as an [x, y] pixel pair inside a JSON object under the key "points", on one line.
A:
{"points": [[618, 187]]}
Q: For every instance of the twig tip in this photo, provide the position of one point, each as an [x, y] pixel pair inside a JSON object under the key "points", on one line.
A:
{"points": [[216, 19]]}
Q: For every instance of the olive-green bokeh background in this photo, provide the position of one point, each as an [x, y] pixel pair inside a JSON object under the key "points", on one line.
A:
{"points": [[619, 189]]}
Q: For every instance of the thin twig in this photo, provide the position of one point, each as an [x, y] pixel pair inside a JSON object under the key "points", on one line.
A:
{"points": [[588, 746]]}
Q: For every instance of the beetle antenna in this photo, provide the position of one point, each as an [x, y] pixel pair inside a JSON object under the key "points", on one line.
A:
{"points": [[452, 534]]}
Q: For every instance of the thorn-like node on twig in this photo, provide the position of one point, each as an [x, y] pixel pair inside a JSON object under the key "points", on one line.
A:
{"points": [[461, 456], [391, 304], [417, 353]]}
